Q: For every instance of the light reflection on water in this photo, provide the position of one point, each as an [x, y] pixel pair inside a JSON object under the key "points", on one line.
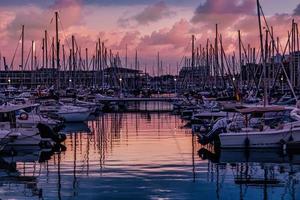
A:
{"points": [[143, 156]]}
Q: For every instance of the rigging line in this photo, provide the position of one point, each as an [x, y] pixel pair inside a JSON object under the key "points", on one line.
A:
{"points": [[272, 37], [185, 49], [281, 63], [248, 61], [180, 63], [63, 30], [27, 59], [12, 62]]}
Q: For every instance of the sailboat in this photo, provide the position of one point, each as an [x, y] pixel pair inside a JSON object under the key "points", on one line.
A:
{"points": [[261, 126], [16, 138]]}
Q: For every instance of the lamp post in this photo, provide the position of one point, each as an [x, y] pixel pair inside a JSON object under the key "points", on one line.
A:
{"points": [[8, 86], [281, 84], [175, 82], [120, 79], [70, 82]]}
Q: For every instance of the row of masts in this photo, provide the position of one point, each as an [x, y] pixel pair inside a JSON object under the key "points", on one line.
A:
{"points": [[218, 68], [58, 57], [260, 67]]}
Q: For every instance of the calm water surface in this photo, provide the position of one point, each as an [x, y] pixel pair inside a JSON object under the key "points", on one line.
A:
{"points": [[149, 156]]}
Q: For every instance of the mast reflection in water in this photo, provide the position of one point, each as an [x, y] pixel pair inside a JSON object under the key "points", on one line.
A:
{"points": [[148, 156]]}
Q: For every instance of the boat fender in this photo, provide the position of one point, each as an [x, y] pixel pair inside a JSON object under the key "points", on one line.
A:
{"points": [[23, 116], [247, 142]]}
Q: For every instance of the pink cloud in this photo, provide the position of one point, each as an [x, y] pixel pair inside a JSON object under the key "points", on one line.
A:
{"points": [[177, 36], [151, 13], [221, 7], [297, 10]]}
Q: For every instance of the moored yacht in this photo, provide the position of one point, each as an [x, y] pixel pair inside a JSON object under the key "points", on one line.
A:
{"points": [[260, 127], [13, 137], [67, 113]]}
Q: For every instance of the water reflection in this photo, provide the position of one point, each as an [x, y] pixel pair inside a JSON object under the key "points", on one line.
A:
{"points": [[148, 156], [271, 173]]}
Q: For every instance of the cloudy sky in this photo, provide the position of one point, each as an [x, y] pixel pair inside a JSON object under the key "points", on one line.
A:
{"points": [[147, 25]]}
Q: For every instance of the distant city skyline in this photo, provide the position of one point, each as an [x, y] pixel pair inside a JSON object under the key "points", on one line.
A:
{"points": [[148, 26]]}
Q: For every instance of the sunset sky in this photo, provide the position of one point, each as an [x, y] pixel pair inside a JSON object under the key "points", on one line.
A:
{"points": [[149, 26]]}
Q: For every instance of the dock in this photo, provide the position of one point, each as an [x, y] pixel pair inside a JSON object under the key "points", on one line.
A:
{"points": [[138, 99]]}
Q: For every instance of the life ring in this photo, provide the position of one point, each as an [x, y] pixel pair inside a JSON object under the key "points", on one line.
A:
{"points": [[23, 116]]}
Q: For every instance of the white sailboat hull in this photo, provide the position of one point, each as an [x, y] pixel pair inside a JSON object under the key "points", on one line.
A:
{"points": [[267, 139]]}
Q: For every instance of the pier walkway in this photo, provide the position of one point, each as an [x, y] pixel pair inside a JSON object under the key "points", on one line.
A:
{"points": [[137, 99]]}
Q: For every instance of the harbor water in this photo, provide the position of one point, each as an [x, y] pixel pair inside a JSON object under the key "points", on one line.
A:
{"points": [[148, 156]]}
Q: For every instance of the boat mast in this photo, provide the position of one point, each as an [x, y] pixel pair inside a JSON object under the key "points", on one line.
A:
{"points": [[73, 60], [32, 61], [86, 59], [53, 60], [193, 59], [126, 56], [22, 53], [240, 58], [22, 48], [57, 49], [262, 53], [216, 56]]}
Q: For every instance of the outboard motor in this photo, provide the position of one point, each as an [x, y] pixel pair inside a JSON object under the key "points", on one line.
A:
{"points": [[47, 132], [218, 128]]}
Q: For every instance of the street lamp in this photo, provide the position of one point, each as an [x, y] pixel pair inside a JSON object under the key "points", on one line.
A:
{"points": [[233, 78], [281, 84], [175, 81], [120, 79]]}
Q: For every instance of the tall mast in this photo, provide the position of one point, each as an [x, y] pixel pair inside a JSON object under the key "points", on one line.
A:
{"points": [[64, 65], [86, 59], [43, 48], [240, 58], [46, 49], [262, 53], [136, 68], [57, 48], [126, 56], [22, 49], [53, 60], [32, 62], [73, 58], [193, 51], [216, 56], [193, 58], [32, 55]]}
